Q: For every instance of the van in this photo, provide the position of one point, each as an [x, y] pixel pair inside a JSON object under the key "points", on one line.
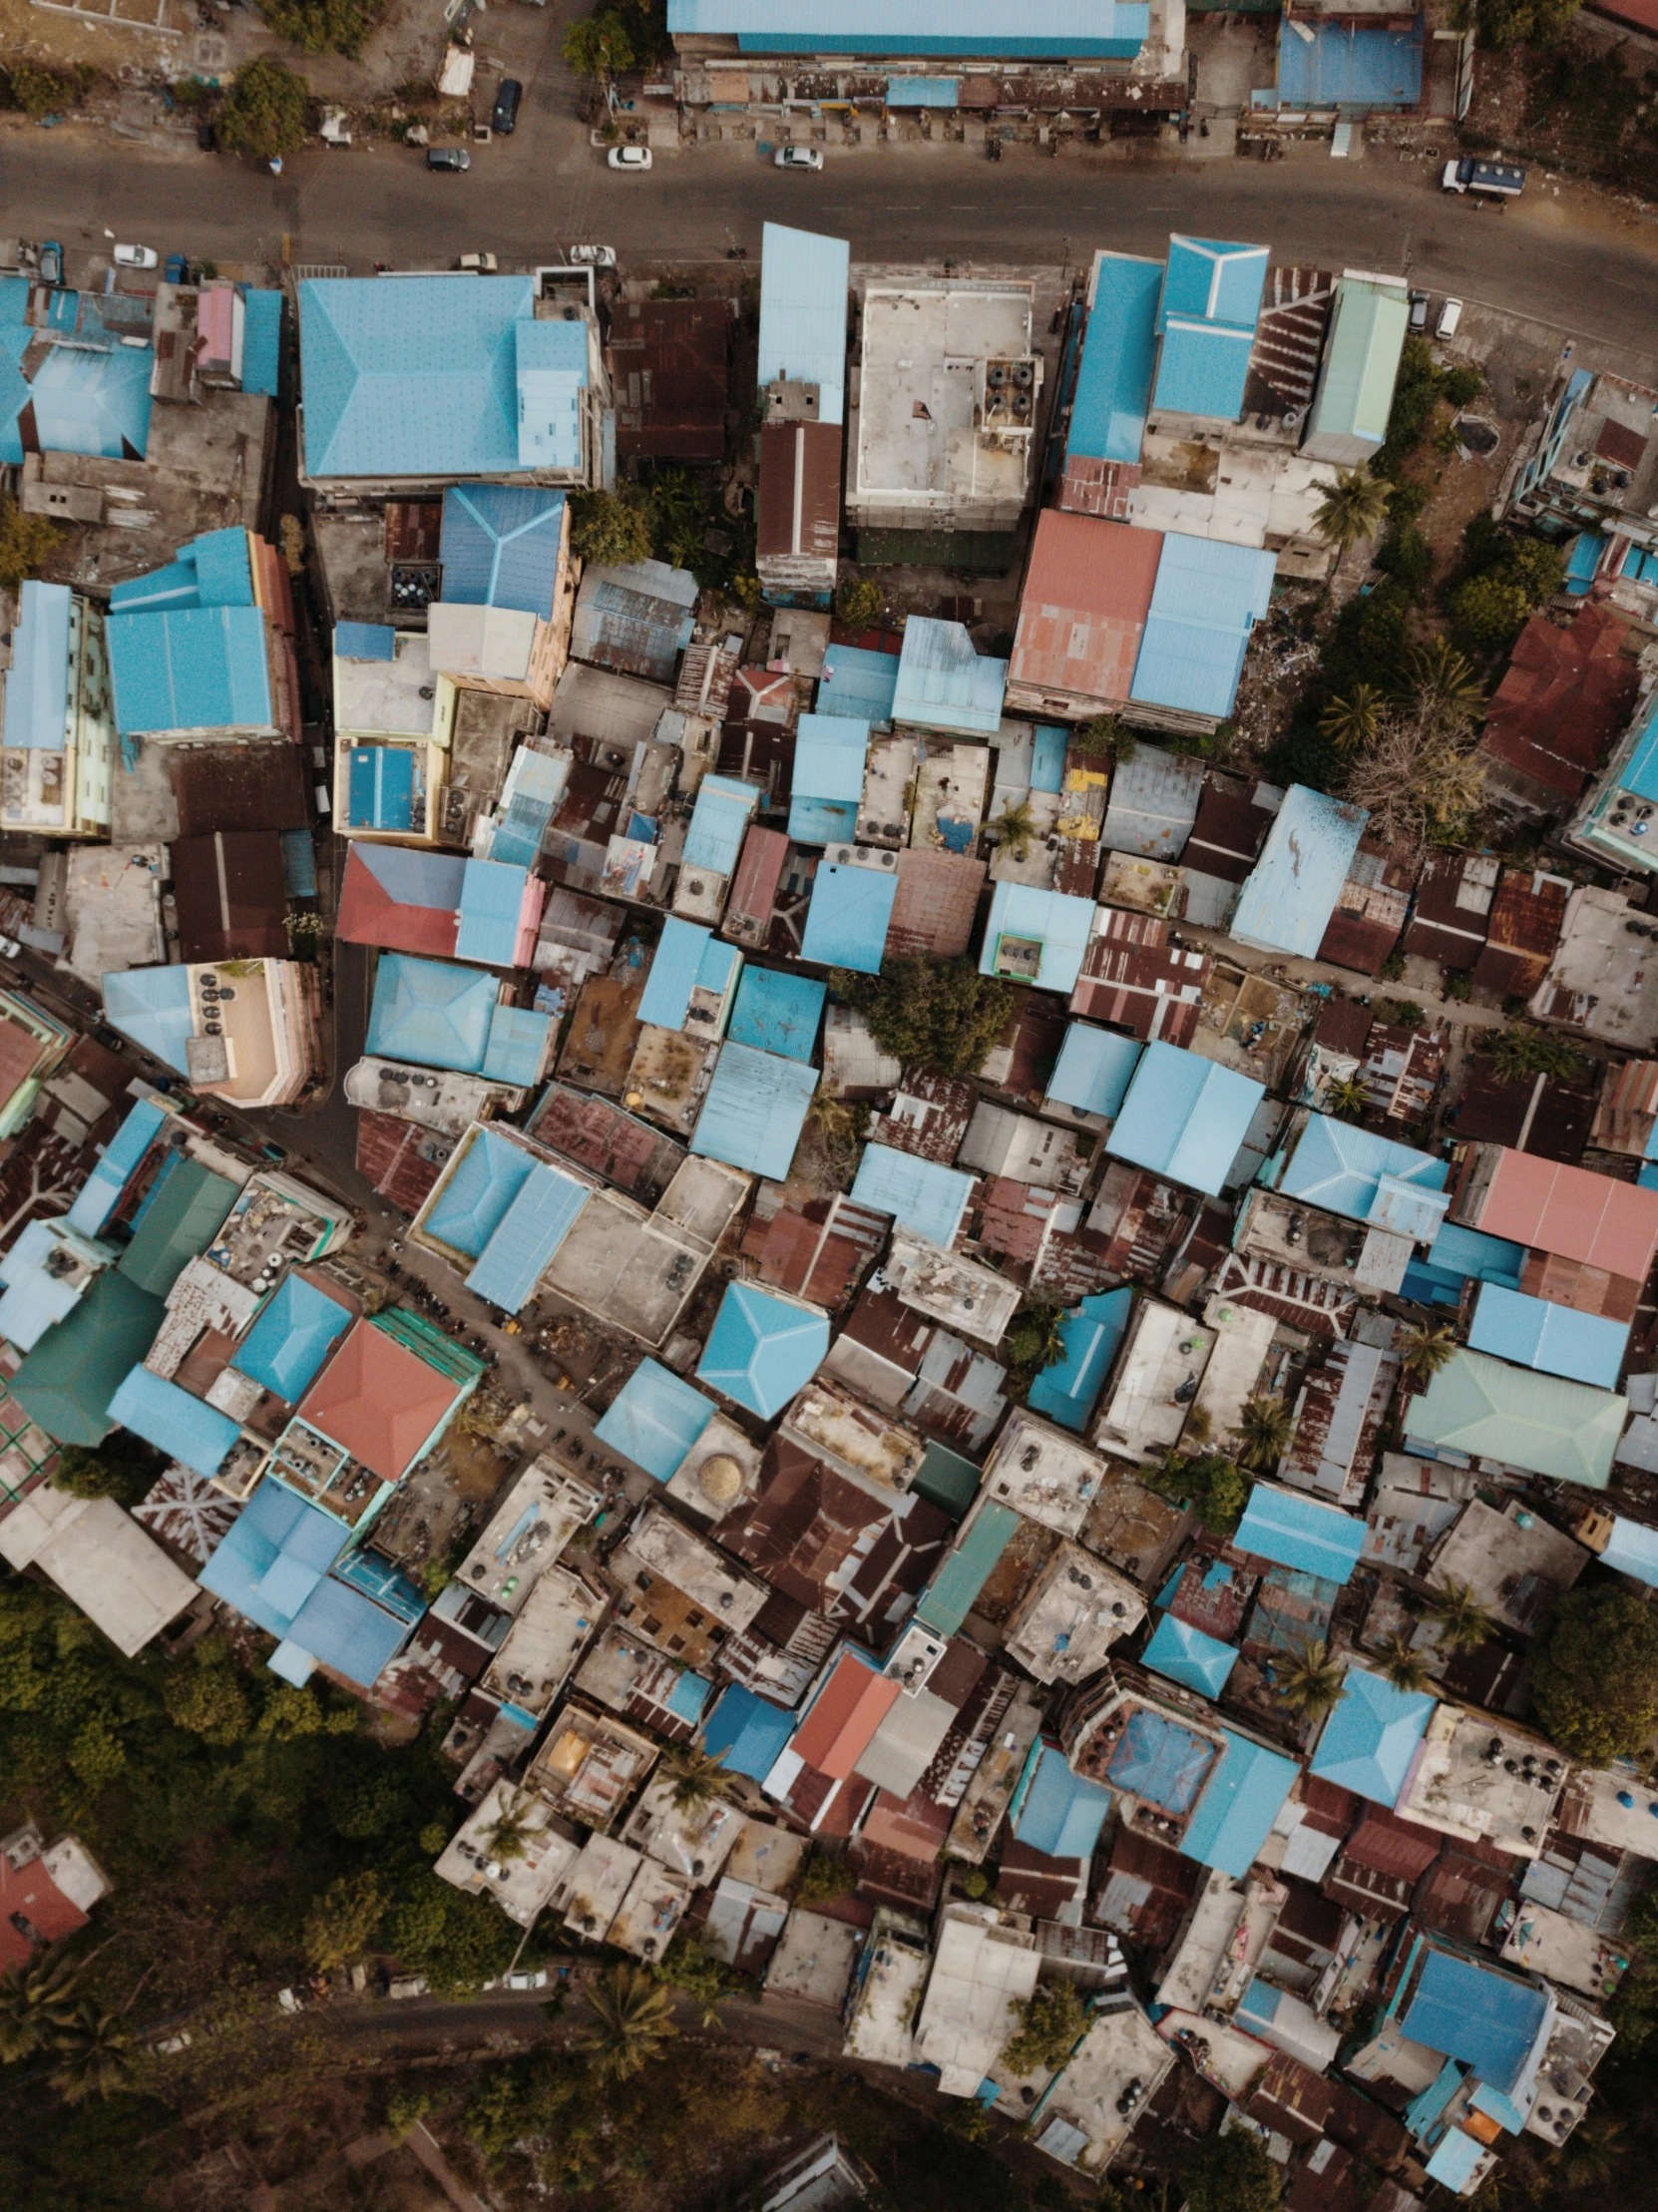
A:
{"points": [[1450, 314]]}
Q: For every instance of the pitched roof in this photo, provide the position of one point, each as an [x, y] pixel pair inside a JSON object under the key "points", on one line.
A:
{"points": [[1056, 1811], [1351, 1172], [1119, 352], [189, 1429], [944, 682], [1371, 1736], [503, 546], [1571, 1212], [777, 1011], [1292, 891], [297, 1327], [1087, 593], [379, 1399], [1300, 1533], [400, 899], [1207, 599], [655, 1419], [755, 1111], [1186, 1655], [1184, 1117], [1542, 1423], [204, 667], [762, 1349], [1239, 1804], [846, 923], [1066, 1391], [936, 904], [919, 1194], [73, 1372], [1533, 1332], [1093, 1069], [435, 1015]]}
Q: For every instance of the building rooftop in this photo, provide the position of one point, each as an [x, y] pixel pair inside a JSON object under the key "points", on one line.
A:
{"points": [[1120, 354], [777, 1011], [1240, 1801], [1184, 1117], [1570, 1211], [1066, 1389], [1036, 935], [655, 1419], [922, 1196], [295, 1330], [1349, 1171], [1289, 898], [1186, 1655], [853, 894], [1371, 1737], [503, 546], [828, 781], [945, 683], [754, 1110], [803, 287], [380, 1400], [762, 1349], [1300, 1533], [1559, 1340], [1541, 1422]]}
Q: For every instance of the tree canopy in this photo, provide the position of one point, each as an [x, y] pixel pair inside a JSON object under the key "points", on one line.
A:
{"points": [[323, 26], [1594, 1674], [606, 527], [1230, 2173], [1050, 2021], [26, 542], [268, 111], [940, 1013]]}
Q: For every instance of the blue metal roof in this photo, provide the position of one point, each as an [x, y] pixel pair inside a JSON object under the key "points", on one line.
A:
{"points": [[688, 958], [762, 1349], [718, 820], [1235, 1814], [921, 1196], [476, 1193], [436, 1015], [1533, 1332], [37, 682], [1186, 1655], [100, 1193], [1371, 1737], [1092, 1070], [846, 923], [829, 757], [1047, 757], [1056, 921], [655, 1419], [1184, 1117], [779, 1013], [1488, 2021], [380, 787], [1348, 1171], [516, 1048], [1457, 2160], [1215, 280], [501, 546], [186, 1428], [492, 904], [96, 404], [638, 615], [201, 668], [211, 571], [152, 1006], [1054, 1810], [1202, 368], [1300, 1533], [944, 682], [535, 784], [1457, 1253], [550, 361], [857, 683], [746, 1732], [365, 642], [754, 1110], [1207, 598], [1292, 888], [1349, 65], [413, 376], [1120, 351], [803, 283], [297, 1327], [1066, 1391], [1047, 29], [1632, 1549], [539, 1216], [262, 341]]}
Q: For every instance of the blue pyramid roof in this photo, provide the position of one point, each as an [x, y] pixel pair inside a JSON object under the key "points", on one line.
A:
{"points": [[297, 1328], [1371, 1738], [1186, 1655], [762, 1349]]}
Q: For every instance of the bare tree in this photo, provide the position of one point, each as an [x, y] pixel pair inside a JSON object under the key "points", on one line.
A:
{"points": [[1419, 778]]}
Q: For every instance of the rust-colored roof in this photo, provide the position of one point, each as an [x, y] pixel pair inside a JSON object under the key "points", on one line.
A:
{"points": [[379, 1400], [1568, 1282], [414, 529], [754, 886], [849, 1708], [1290, 2098], [799, 507], [1539, 1113], [1451, 908], [1086, 595], [1393, 1846], [240, 787], [370, 914], [1134, 979], [603, 1031], [402, 1160], [1526, 915], [1567, 692], [1369, 912], [820, 1252], [1229, 833], [1461, 1894], [1343, 1027], [599, 1135], [29, 1894], [929, 1116], [934, 905], [670, 361], [1571, 1212], [1012, 1218]]}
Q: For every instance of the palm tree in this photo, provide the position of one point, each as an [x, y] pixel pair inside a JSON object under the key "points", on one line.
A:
{"points": [[1353, 509], [1459, 1618], [1426, 1346], [699, 1777], [37, 2001], [1266, 1428], [1523, 1050], [1402, 1665], [1346, 1097], [635, 2019], [1015, 827], [1310, 1680], [1351, 723], [1439, 677], [507, 1837], [96, 2055]]}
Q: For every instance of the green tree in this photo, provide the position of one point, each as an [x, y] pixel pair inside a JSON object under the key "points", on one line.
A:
{"points": [[1594, 1674], [699, 1778], [1107, 738], [1052, 2022], [1350, 722], [1346, 1097], [508, 1835], [37, 2004], [343, 1923], [268, 110], [1212, 1486], [609, 528], [1488, 610], [1037, 1338], [323, 26], [1399, 1662], [1420, 780], [636, 2022], [1525, 1049], [1353, 509], [942, 1014], [1426, 1347], [823, 1875], [1230, 2173], [122, 1467], [26, 543], [599, 45], [1015, 827], [1441, 680], [1522, 22], [862, 602], [455, 1939], [1309, 1679], [95, 2055], [693, 1970], [206, 1695], [1460, 1621], [1266, 1429]]}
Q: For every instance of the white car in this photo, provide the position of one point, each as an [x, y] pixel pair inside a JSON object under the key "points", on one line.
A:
{"points": [[798, 156], [11, 948], [479, 265], [593, 256], [1450, 314], [630, 157], [528, 1977], [134, 257]]}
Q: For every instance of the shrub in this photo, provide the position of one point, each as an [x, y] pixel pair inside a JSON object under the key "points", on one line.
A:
{"points": [[26, 543], [823, 1875], [323, 26], [862, 602], [1050, 2021], [1463, 384], [599, 45]]}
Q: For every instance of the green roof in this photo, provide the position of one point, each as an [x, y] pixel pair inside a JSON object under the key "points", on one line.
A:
{"points": [[428, 1342], [1366, 339], [68, 1379], [1541, 1422], [954, 1590], [946, 1480], [180, 1221]]}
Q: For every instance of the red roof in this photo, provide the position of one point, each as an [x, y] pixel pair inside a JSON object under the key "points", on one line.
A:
{"points": [[1571, 1212], [837, 1731], [379, 1400], [934, 905], [1566, 694], [1087, 597], [30, 1893], [370, 914], [400, 1159]]}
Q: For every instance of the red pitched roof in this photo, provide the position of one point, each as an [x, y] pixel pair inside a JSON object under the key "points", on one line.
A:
{"points": [[379, 1400], [370, 914], [1571, 1212], [1566, 694], [30, 1893], [837, 1731], [1087, 597]]}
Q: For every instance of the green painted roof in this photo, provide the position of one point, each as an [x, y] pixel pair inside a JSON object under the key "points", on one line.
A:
{"points": [[428, 1342], [68, 1379], [180, 1221], [1360, 367], [1541, 1422], [954, 1590], [946, 1480]]}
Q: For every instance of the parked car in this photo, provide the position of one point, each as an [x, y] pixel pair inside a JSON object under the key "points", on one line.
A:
{"points": [[135, 256], [505, 118], [527, 1978], [1419, 310], [1450, 314], [405, 1985], [111, 1040], [448, 156], [482, 264], [798, 156], [11, 948], [51, 262], [630, 157], [593, 256]]}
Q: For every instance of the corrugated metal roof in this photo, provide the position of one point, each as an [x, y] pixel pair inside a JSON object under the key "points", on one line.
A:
{"points": [[1065, 1392], [1349, 65], [1300, 1533], [1242, 1799], [201, 668], [297, 1327], [721, 814], [1082, 613], [778, 1013], [501, 546], [803, 280], [96, 405], [1213, 279], [1573, 1212], [1093, 1069], [1184, 1117], [69, 1376], [1053, 921], [487, 1176], [1186, 1655], [182, 1427], [1120, 351], [754, 1110], [538, 1218], [762, 1349], [1632, 1549], [1207, 599], [435, 1015], [211, 571], [1486, 2020], [921, 1196], [37, 682], [937, 903], [1361, 363], [1371, 1737], [1292, 891], [944, 683], [922, 92], [1052, 30], [858, 684], [181, 1214], [846, 923], [1154, 802], [688, 958], [262, 341], [655, 1419], [1350, 1170], [1059, 1812], [152, 1006], [746, 1733], [635, 618], [828, 781], [1542, 1423], [550, 361], [100, 1193], [491, 913], [400, 899], [380, 787], [1584, 1347], [518, 1045], [1202, 368], [954, 1590]]}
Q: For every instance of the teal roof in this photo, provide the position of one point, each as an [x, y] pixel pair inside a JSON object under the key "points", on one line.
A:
{"points": [[778, 1011], [846, 921], [948, 1481], [296, 1329], [481, 1186], [1301, 1532], [69, 1378], [655, 1419], [211, 571], [1092, 1070], [152, 1006], [953, 1589], [944, 683], [755, 1111], [1361, 362], [261, 344], [1186, 1655], [1370, 1739], [436, 1015], [921, 1196], [100, 1193], [762, 1349], [1348, 1171], [718, 820], [1234, 1816], [517, 1043], [1215, 280], [200, 667], [746, 1733], [1055, 921], [1539, 1422], [1184, 1117], [1119, 350], [183, 1213], [93, 403], [1066, 1391], [1056, 1811], [196, 1434]]}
